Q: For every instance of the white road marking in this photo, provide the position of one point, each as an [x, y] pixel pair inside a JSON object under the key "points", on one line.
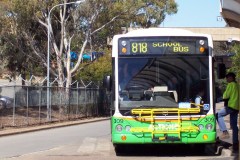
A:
{"points": [[103, 147], [94, 146], [88, 146]]}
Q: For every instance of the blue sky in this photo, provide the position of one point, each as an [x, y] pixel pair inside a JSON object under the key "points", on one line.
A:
{"points": [[195, 13]]}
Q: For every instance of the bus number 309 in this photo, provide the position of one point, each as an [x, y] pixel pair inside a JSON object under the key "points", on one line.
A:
{"points": [[118, 120], [139, 47]]}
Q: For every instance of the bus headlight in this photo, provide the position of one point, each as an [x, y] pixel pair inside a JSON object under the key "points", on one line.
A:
{"points": [[200, 126], [127, 128], [119, 128], [209, 126]]}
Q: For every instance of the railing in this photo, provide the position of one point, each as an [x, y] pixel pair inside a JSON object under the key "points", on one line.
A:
{"points": [[27, 105]]}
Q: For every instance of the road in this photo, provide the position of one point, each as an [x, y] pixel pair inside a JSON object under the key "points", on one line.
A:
{"points": [[86, 141]]}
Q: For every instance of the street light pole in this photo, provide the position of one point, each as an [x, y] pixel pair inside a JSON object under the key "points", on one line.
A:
{"points": [[48, 54]]}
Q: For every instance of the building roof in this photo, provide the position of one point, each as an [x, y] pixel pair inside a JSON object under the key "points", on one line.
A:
{"points": [[230, 11], [218, 34]]}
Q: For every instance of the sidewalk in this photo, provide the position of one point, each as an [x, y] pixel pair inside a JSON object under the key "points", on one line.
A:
{"points": [[11, 131]]}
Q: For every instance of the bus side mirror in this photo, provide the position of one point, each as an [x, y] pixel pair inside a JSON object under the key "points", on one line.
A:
{"points": [[107, 82], [221, 70]]}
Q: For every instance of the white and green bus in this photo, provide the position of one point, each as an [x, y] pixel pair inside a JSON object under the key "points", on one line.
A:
{"points": [[162, 88]]}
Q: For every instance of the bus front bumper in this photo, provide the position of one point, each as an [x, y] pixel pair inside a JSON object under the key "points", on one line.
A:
{"points": [[143, 138]]}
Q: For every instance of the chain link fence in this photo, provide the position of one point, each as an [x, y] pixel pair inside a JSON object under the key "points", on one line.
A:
{"points": [[27, 105]]}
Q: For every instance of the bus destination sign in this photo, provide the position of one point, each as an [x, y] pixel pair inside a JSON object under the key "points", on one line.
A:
{"points": [[161, 47], [154, 46]]}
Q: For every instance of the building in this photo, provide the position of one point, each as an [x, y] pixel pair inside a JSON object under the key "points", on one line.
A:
{"points": [[230, 11]]}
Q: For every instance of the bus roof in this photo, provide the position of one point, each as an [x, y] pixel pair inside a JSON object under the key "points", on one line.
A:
{"points": [[141, 32]]}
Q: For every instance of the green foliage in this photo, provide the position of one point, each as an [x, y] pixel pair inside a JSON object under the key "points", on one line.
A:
{"points": [[97, 70], [236, 59], [17, 24], [152, 13]]}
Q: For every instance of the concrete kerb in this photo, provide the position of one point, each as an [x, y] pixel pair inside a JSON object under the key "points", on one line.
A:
{"points": [[7, 132], [226, 153]]}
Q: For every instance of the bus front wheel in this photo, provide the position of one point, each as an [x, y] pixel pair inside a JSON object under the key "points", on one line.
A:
{"points": [[119, 149]]}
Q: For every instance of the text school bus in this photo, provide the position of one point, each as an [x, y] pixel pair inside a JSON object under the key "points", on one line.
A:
{"points": [[162, 88]]}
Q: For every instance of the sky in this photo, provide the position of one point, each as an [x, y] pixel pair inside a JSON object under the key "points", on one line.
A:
{"points": [[195, 13]]}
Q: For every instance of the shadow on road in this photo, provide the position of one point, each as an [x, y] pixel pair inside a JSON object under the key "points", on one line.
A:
{"points": [[165, 150]]}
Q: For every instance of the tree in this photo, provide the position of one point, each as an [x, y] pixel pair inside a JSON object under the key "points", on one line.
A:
{"points": [[81, 27], [20, 36], [96, 71], [236, 59], [153, 13]]}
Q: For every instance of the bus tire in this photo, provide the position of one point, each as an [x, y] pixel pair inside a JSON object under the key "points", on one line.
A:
{"points": [[201, 148], [208, 149], [119, 149]]}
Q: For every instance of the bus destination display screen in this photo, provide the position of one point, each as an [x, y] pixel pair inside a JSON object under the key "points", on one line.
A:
{"points": [[161, 47], [148, 46]]}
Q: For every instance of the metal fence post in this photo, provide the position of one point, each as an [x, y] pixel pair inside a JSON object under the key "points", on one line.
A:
{"points": [[68, 110], [85, 101], [14, 103], [40, 100], [60, 105], [27, 107], [77, 111], [50, 102]]}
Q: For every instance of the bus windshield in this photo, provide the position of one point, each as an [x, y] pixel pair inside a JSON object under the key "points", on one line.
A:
{"points": [[163, 81]]}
